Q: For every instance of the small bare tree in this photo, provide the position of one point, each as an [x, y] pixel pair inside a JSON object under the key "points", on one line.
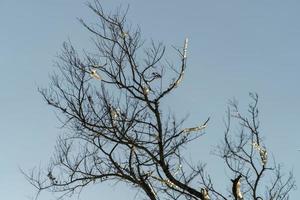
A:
{"points": [[110, 103], [245, 155]]}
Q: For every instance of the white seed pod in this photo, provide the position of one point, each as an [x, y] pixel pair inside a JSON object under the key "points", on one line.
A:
{"points": [[264, 156], [185, 47], [262, 153], [205, 194], [146, 90], [193, 129], [124, 34], [94, 74]]}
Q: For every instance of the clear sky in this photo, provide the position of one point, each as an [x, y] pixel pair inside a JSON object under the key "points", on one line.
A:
{"points": [[236, 46]]}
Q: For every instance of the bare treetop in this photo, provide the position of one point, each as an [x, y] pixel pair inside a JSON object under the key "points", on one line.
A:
{"points": [[110, 104]]}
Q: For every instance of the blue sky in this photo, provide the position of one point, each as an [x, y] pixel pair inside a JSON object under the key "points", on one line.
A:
{"points": [[235, 47]]}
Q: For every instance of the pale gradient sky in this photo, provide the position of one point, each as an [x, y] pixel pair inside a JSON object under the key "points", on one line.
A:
{"points": [[235, 47]]}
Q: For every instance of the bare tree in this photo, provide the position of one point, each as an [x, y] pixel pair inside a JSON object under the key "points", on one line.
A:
{"points": [[246, 155], [109, 102]]}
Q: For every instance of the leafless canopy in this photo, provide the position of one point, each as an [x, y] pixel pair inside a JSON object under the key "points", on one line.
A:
{"points": [[109, 102]]}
